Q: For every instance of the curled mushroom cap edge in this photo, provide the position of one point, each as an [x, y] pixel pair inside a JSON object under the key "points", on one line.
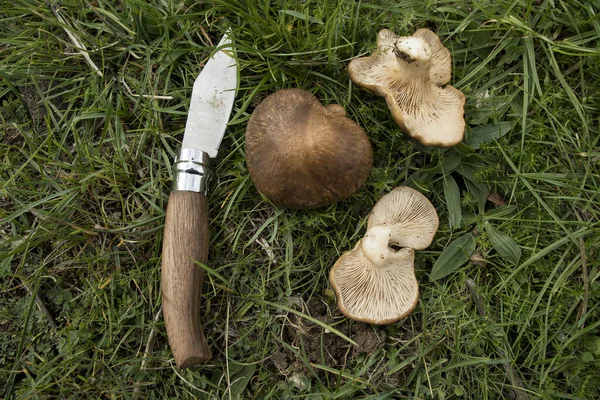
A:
{"points": [[375, 294], [408, 215], [375, 282], [410, 73]]}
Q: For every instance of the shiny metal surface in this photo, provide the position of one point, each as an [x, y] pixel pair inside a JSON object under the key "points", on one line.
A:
{"points": [[192, 171], [212, 99]]}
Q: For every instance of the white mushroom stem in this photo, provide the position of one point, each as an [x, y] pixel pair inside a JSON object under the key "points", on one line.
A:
{"points": [[414, 49], [375, 244]]}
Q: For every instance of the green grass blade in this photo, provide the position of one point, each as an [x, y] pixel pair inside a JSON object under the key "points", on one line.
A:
{"points": [[455, 255]]}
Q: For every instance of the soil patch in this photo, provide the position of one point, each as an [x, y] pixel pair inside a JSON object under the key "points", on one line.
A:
{"points": [[310, 343]]}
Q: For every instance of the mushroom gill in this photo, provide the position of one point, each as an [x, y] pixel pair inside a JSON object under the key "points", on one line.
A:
{"points": [[376, 294], [410, 73], [375, 282]]}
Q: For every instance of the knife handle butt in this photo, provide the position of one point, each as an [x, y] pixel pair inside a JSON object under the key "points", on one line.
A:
{"points": [[185, 240]]}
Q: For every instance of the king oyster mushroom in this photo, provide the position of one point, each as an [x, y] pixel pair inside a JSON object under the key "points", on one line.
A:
{"points": [[303, 155], [410, 73]]}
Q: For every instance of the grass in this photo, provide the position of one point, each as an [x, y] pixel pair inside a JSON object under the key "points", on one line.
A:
{"points": [[87, 146]]}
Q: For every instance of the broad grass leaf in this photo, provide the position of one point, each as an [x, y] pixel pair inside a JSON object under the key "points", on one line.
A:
{"points": [[447, 163], [302, 16], [488, 132], [503, 244], [240, 379], [501, 212], [587, 357], [457, 253], [479, 190], [593, 345], [452, 195]]}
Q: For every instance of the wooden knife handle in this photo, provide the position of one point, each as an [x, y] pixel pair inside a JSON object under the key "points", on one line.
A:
{"points": [[185, 239]]}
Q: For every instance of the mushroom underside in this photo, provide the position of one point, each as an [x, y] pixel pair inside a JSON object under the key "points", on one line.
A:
{"points": [[440, 71], [375, 294], [438, 120], [409, 216], [426, 110], [430, 114]]}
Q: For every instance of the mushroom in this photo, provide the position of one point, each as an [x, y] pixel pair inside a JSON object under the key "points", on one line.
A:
{"points": [[410, 73], [303, 155], [375, 282], [379, 291], [405, 218]]}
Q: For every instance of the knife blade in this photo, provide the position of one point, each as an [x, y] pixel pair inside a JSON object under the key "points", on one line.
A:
{"points": [[185, 239]]}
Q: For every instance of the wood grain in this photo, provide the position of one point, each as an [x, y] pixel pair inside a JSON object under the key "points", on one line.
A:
{"points": [[185, 239]]}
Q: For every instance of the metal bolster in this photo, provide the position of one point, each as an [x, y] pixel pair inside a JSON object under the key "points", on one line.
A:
{"points": [[191, 171]]}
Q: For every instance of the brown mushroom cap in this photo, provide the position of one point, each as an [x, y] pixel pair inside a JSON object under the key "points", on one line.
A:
{"points": [[404, 218], [303, 155], [380, 292], [409, 72]]}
